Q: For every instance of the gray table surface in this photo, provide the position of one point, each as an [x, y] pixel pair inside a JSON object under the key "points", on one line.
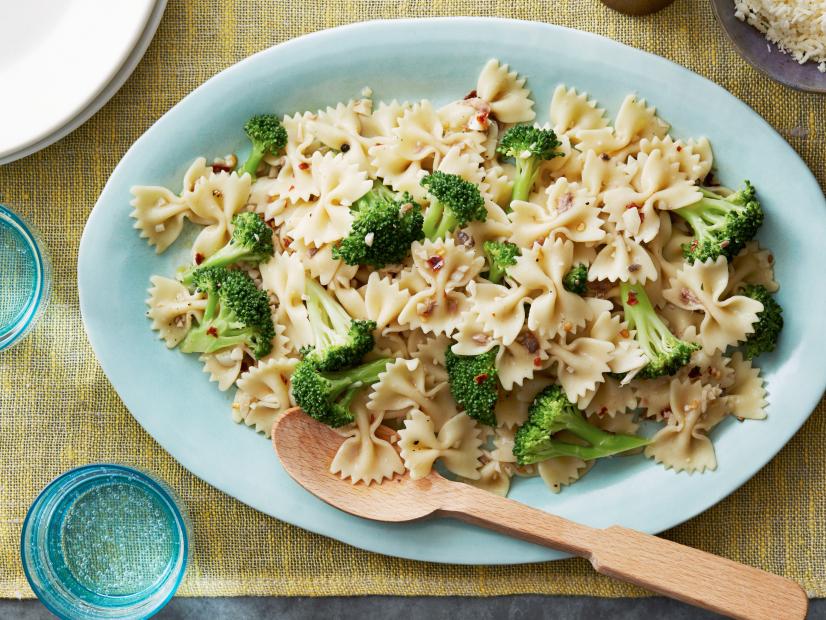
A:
{"points": [[526, 607]]}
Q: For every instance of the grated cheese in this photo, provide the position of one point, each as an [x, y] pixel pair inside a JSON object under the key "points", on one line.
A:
{"points": [[797, 27]]}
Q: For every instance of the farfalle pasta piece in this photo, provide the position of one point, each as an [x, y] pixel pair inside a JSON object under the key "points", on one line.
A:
{"points": [[626, 357], [402, 388], [384, 300], [709, 368], [461, 163], [499, 311], [519, 360], [431, 353], [296, 175], [224, 366], [505, 92], [580, 364], [416, 146], [654, 184], [159, 215], [540, 271], [493, 478], [384, 118], [363, 456], [172, 309], [512, 407], [446, 269], [753, 265], [699, 287], [635, 121], [264, 394], [620, 423], [319, 262], [693, 159], [609, 398], [746, 396], [497, 184], [570, 212], [601, 172], [571, 112], [457, 445], [562, 471], [284, 276], [216, 198], [683, 443], [339, 185], [622, 258], [336, 126]]}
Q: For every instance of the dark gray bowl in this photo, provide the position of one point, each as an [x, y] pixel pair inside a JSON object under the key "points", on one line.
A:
{"points": [[751, 44]]}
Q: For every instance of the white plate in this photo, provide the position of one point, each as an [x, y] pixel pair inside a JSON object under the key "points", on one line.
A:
{"points": [[56, 58], [105, 95]]}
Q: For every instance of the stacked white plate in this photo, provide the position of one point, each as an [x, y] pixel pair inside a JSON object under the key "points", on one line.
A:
{"points": [[60, 62]]}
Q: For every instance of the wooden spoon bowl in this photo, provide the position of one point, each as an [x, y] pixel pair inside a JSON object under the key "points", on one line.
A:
{"points": [[306, 449]]}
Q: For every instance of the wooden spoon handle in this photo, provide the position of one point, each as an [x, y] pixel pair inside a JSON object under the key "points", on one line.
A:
{"points": [[686, 574]]}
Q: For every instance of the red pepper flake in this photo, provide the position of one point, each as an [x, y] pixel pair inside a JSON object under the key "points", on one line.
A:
{"points": [[288, 241], [481, 378], [679, 148], [199, 258], [725, 243], [537, 361], [291, 188], [471, 95], [603, 411], [303, 165], [770, 258], [632, 300], [436, 262], [604, 157], [221, 167], [694, 244], [212, 332]]}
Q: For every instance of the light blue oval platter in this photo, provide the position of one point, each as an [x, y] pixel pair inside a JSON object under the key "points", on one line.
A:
{"points": [[439, 59]]}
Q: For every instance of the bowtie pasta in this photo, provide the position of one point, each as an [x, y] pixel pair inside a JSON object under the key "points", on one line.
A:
{"points": [[511, 298]]}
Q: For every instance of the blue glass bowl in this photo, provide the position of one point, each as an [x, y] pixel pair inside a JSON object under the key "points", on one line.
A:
{"points": [[25, 278], [105, 541]]}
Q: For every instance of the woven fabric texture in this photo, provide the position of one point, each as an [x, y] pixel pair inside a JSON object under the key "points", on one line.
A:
{"points": [[58, 410]]}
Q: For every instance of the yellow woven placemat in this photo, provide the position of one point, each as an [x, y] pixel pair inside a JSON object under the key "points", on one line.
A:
{"points": [[57, 410]]}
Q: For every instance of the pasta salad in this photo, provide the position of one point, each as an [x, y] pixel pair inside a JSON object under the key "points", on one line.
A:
{"points": [[514, 299]]}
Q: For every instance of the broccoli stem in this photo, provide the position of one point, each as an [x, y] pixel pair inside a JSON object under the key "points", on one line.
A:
{"points": [[254, 159], [448, 223], [526, 171], [357, 377], [327, 311], [432, 219], [496, 273], [642, 317]]}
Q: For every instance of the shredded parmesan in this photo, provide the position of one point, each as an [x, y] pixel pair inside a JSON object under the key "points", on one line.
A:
{"points": [[797, 27]]}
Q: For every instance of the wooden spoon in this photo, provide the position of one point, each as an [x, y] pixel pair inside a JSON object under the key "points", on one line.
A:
{"points": [[306, 448]]}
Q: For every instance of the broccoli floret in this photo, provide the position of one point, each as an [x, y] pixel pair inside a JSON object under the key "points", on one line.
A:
{"points": [[384, 227], [340, 341], [251, 242], [665, 352], [500, 255], [529, 146], [326, 396], [576, 280], [551, 413], [454, 203], [473, 383], [721, 226], [267, 135], [769, 322], [237, 312]]}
